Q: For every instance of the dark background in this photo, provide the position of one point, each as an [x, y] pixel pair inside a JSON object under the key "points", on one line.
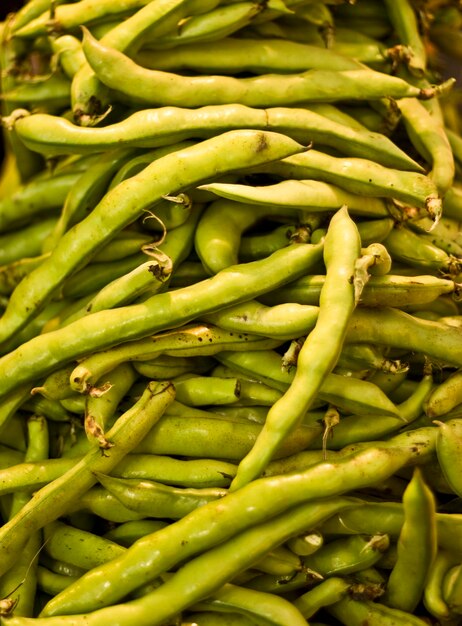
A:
{"points": [[9, 5]]}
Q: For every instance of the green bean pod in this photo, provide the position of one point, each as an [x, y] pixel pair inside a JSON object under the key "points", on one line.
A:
{"points": [[284, 321], [314, 362], [308, 195], [39, 196], [417, 546], [258, 604], [404, 21], [160, 88], [78, 547], [358, 396], [89, 97], [232, 55], [51, 501], [192, 340], [433, 593], [448, 449], [235, 555], [51, 135], [368, 465], [347, 555], [80, 242], [452, 586], [362, 177], [430, 139], [353, 612], [391, 290], [208, 27], [327, 592], [394, 328], [156, 500], [69, 17], [26, 241], [446, 396], [218, 249]]}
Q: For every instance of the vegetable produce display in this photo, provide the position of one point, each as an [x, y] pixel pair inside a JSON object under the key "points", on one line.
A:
{"points": [[230, 319]]}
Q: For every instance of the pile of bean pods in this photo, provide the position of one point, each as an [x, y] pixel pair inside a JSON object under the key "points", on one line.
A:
{"points": [[231, 330]]}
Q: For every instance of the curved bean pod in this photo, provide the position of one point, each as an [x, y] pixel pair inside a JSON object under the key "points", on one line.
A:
{"points": [[235, 555], [89, 97], [215, 24], [361, 177], [433, 592], [250, 602], [218, 249], [126, 203], [357, 612], [446, 396], [323, 480], [448, 449], [283, 321], [391, 290], [417, 546], [430, 139], [78, 547], [391, 327], [153, 499], [327, 592], [188, 341], [71, 16], [160, 88], [51, 501], [233, 55], [311, 195], [42, 195], [347, 555], [315, 361], [51, 135]]}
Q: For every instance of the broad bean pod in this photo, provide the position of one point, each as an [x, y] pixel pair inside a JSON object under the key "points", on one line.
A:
{"points": [[218, 249], [126, 203], [39, 196], [159, 88], [153, 499], [361, 177], [433, 592], [314, 361], [51, 501], [252, 603], [209, 525], [448, 449], [235, 555], [391, 290], [347, 555], [446, 396], [233, 56], [416, 548], [191, 340], [53, 135], [72, 15], [388, 518], [309, 195], [89, 97], [358, 396], [430, 139], [78, 547], [219, 22], [283, 321], [404, 20], [356, 612], [392, 327]]}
